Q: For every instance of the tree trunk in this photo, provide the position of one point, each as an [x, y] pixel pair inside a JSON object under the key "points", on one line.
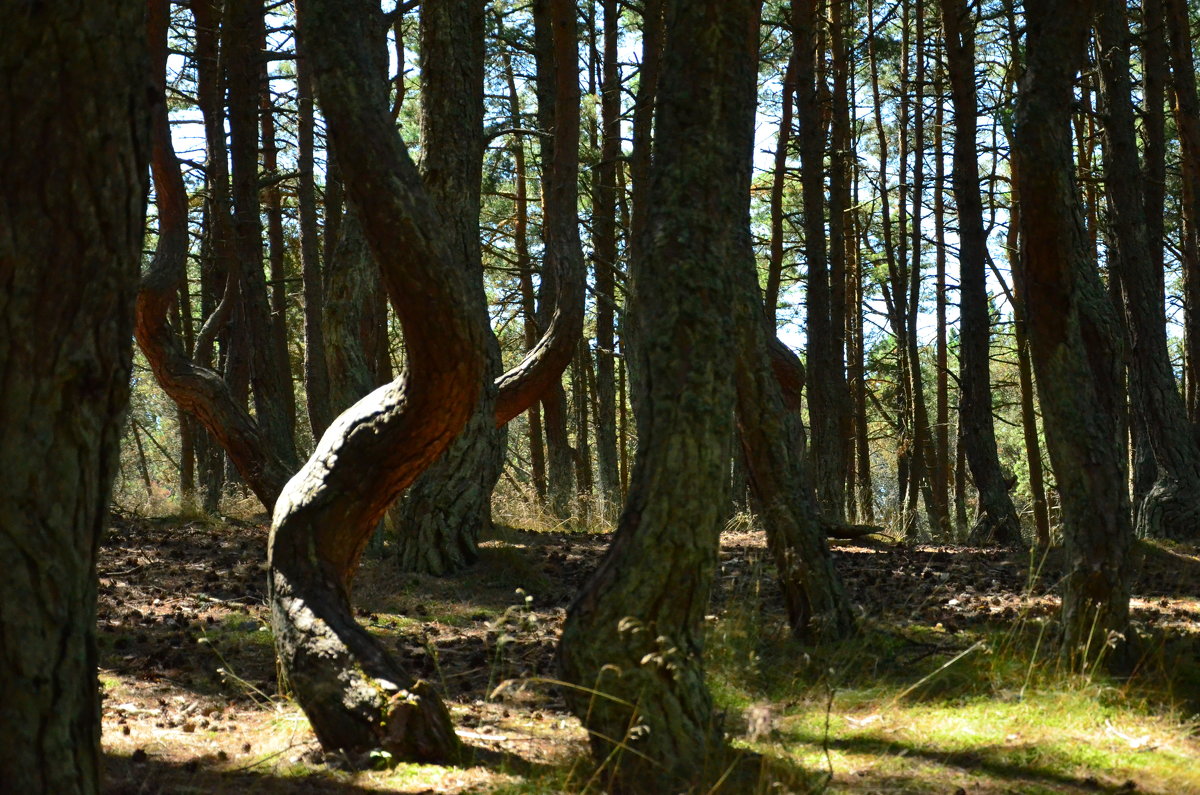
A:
{"points": [[640, 160], [1187, 118], [557, 58], [925, 453], [827, 448], [1074, 336], [444, 511], [316, 370], [778, 180], [270, 376], [605, 259], [1155, 78], [264, 461], [1029, 416], [942, 466], [76, 119], [632, 642], [773, 451], [1172, 505], [841, 307], [996, 520], [856, 369], [352, 282], [356, 696], [277, 267]]}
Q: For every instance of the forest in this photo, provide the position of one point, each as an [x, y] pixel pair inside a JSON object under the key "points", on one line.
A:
{"points": [[624, 396]]}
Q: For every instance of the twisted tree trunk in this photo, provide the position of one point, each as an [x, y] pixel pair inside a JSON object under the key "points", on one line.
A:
{"points": [[356, 696]]}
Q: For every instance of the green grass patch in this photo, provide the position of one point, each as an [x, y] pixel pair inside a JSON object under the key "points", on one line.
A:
{"points": [[919, 710]]}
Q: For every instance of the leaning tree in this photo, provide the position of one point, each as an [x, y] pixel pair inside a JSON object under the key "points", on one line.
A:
{"points": [[1074, 335]]}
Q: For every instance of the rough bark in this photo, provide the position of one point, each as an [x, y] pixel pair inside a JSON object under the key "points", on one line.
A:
{"points": [[773, 450], [444, 511], [1074, 336], [218, 279], [277, 265], [73, 166], [632, 642], [1029, 415], [841, 307], [561, 309], [925, 452], [537, 450], [351, 289], [913, 424], [640, 160], [356, 696], [824, 396], [1171, 507], [996, 520]]}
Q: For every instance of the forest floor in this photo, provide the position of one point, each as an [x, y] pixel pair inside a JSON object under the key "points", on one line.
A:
{"points": [[953, 687]]}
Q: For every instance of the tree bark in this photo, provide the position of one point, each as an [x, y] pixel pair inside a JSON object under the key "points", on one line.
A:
{"points": [[261, 460], [74, 149], [537, 450], [1171, 507], [605, 261], [996, 520], [316, 370], [444, 511], [1074, 336], [778, 181], [632, 642], [824, 397], [1156, 76], [356, 696], [270, 376], [1187, 118], [556, 53]]}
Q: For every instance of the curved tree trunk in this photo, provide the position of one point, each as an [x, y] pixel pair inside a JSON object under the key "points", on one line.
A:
{"points": [[74, 147], [1171, 507], [1074, 336], [774, 452], [198, 390], [355, 695], [996, 521], [632, 642]]}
